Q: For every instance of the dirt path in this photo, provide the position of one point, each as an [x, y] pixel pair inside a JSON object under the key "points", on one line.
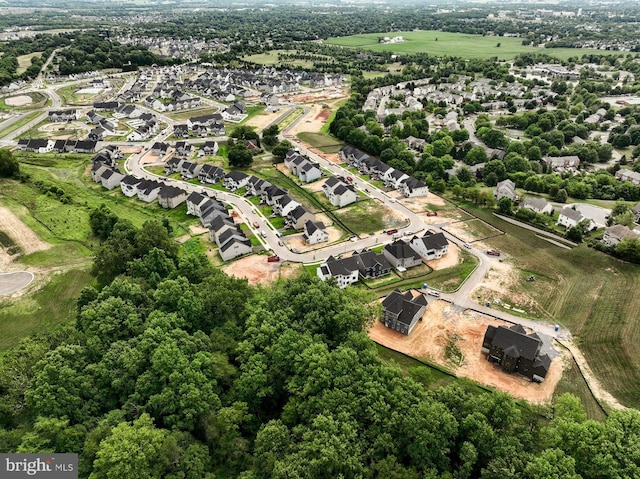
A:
{"points": [[21, 235]]}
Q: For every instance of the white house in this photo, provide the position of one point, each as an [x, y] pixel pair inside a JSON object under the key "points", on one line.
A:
{"points": [[570, 218], [431, 245], [314, 232], [345, 271], [537, 205]]}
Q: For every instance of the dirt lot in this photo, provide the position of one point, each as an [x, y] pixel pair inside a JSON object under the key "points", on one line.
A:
{"points": [[21, 235], [296, 243], [265, 118], [20, 100], [257, 270], [441, 326]]}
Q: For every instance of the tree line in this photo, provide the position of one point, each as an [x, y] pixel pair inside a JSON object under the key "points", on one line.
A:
{"points": [[204, 376]]}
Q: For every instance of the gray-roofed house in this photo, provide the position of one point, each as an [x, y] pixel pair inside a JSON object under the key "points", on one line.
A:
{"points": [[431, 245], [195, 201], [371, 264], [284, 205], [235, 180], [636, 212], [210, 174], [628, 175], [537, 205], [171, 196], [129, 185], [569, 218], [314, 232], [411, 187], [345, 271], [401, 311], [339, 192], [111, 179], [505, 188], [516, 351], [401, 255], [297, 217], [234, 248], [616, 233], [148, 190]]}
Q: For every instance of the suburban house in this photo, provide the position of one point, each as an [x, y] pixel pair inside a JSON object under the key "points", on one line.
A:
{"points": [[505, 188], [235, 180], [411, 187], [516, 351], [401, 255], [195, 201], [210, 148], [401, 311], [184, 149], [309, 171], [559, 163], [210, 210], [314, 232], [222, 228], [111, 178], [569, 218], [616, 233], [173, 165], [255, 186], [148, 190], [371, 264], [297, 217], [189, 170], [537, 205], [395, 179], [63, 115], [171, 196], [181, 131], [210, 174], [284, 205], [339, 192], [345, 271], [129, 185], [628, 175], [97, 168], [271, 194], [160, 148], [234, 248], [431, 245]]}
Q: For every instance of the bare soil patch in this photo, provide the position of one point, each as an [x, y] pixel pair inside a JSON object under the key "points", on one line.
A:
{"points": [[449, 260], [21, 235], [20, 100], [264, 119], [296, 242], [257, 270], [442, 326]]}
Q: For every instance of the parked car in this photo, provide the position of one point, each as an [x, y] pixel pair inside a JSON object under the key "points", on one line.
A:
{"points": [[493, 252], [264, 234], [273, 259], [432, 213], [349, 179], [256, 225], [392, 231], [466, 245], [433, 293], [353, 238]]}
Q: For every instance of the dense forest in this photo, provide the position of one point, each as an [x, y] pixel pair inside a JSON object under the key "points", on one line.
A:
{"points": [[205, 376]]}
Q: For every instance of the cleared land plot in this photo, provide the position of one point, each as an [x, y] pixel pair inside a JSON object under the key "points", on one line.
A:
{"points": [[438, 43], [272, 58], [257, 270], [588, 292], [472, 230], [24, 61], [321, 141], [453, 340]]}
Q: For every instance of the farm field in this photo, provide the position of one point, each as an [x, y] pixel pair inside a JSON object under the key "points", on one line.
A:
{"points": [[463, 45], [588, 292], [24, 61]]}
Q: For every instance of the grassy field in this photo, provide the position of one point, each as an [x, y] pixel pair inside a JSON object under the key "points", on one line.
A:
{"points": [[185, 115], [70, 97], [24, 62], [368, 215], [588, 292], [463, 45], [48, 307], [271, 58], [321, 141]]}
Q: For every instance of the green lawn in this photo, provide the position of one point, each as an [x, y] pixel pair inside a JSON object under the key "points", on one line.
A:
{"points": [[321, 141], [26, 118], [24, 62], [463, 45], [368, 215], [42, 310], [271, 58], [588, 292]]}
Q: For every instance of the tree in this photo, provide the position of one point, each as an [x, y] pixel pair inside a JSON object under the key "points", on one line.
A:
{"points": [[102, 221], [476, 155], [239, 156], [629, 249], [280, 150], [561, 196], [9, 166], [575, 234], [505, 205]]}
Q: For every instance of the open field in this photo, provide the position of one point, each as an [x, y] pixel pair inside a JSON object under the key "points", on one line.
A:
{"points": [[271, 58], [321, 141], [185, 115], [369, 215], [588, 292], [44, 309], [463, 45], [24, 62]]}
